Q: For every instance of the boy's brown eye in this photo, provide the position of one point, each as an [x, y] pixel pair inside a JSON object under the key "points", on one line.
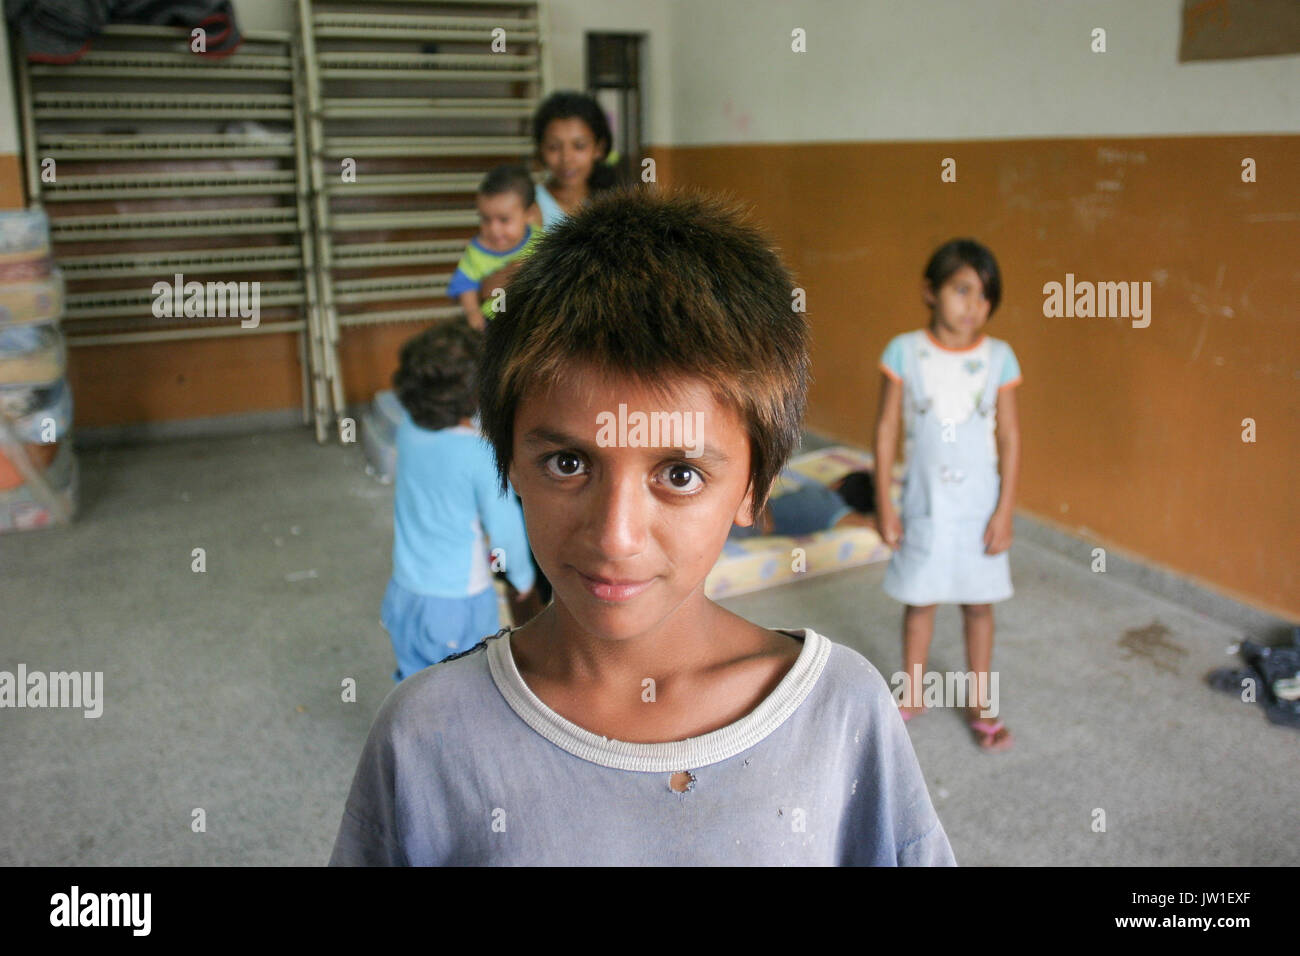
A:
{"points": [[565, 463], [681, 477]]}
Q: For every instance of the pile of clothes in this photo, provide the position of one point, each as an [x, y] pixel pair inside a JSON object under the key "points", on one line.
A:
{"points": [[61, 31], [1271, 677]]}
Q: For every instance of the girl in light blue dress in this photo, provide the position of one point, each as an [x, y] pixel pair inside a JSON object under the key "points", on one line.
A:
{"points": [[950, 389]]}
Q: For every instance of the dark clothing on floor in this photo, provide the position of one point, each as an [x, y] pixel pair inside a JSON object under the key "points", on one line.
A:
{"points": [[61, 31]]}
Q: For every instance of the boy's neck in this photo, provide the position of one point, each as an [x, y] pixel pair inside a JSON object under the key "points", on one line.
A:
{"points": [[572, 651]]}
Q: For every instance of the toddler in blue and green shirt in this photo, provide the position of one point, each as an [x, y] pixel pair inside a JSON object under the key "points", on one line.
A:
{"points": [[506, 198]]}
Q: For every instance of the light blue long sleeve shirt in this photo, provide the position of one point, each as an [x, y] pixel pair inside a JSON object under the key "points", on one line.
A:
{"points": [[465, 766], [446, 505]]}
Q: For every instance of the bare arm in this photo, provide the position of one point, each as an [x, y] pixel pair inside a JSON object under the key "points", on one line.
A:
{"points": [[470, 304], [888, 423], [498, 279], [998, 535]]}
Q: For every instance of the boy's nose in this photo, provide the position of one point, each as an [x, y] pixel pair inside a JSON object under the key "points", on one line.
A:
{"points": [[618, 516]]}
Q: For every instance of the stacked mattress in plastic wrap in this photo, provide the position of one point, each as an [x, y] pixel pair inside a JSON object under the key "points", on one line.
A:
{"points": [[38, 472]]}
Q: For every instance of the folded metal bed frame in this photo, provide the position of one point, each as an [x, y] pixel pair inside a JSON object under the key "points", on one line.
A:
{"points": [[411, 91]]}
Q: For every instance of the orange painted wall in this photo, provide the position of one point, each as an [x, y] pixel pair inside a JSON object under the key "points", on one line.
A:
{"points": [[1132, 436], [11, 182]]}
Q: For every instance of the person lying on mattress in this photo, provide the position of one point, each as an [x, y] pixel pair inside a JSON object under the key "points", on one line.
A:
{"points": [[850, 502]]}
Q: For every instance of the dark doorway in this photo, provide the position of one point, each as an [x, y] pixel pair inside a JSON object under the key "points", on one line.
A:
{"points": [[614, 78]]}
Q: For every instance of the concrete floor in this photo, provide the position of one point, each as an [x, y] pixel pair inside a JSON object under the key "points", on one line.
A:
{"points": [[222, 689]]}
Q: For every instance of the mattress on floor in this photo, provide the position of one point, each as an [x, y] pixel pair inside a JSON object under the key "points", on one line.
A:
{"points": [[828, 465], [751, 564]]}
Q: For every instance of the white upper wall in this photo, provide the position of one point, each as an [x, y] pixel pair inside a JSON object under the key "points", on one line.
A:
{"points": [[957, 69], [569, 21], [566, 23], [721, 71]]}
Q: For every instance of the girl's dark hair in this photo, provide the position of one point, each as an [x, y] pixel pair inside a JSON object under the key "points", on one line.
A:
{"points": [[568, 104], [437, 376], [954, 254], [859, 491]]}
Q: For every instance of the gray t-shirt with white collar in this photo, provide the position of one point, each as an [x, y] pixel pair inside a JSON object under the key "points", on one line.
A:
{"points": [[465, 766]]}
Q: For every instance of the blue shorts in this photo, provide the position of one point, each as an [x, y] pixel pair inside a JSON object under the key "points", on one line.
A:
{"points": [[806, 510], [425, 629]]}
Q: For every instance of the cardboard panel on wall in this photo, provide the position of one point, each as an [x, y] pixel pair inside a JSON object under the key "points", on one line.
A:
{"points": [[1232, 29]]}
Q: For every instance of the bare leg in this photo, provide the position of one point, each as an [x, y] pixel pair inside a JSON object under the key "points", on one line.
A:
{"points": [[918, 629], [977, 622]]}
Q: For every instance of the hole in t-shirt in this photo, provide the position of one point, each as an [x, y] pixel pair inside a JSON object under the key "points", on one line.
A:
{"points": [[683, 781]]}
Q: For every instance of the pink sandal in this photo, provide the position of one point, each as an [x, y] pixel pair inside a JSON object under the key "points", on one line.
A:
{"points": [[987, 733]]}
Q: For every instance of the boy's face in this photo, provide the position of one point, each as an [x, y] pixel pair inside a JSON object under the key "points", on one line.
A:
{"points": [[960, 306], [627, 533], [503, 220]]}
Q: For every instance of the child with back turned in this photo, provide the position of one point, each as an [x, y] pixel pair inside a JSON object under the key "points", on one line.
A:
{"points": [[951, 390], [634, 721], [440, 599]]}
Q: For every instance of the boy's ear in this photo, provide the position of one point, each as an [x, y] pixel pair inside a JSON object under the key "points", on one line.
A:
{"points": [[927, 294], [744, 513]]}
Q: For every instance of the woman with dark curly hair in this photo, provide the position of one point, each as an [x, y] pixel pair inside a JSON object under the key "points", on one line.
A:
{"points": [[574, 143]]}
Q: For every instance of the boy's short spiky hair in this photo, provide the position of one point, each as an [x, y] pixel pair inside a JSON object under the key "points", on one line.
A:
{"points": [[436, 377], [658, 288]]}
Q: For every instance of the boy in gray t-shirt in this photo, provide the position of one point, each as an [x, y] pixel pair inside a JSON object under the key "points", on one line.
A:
{"points": [[641, 394]]}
